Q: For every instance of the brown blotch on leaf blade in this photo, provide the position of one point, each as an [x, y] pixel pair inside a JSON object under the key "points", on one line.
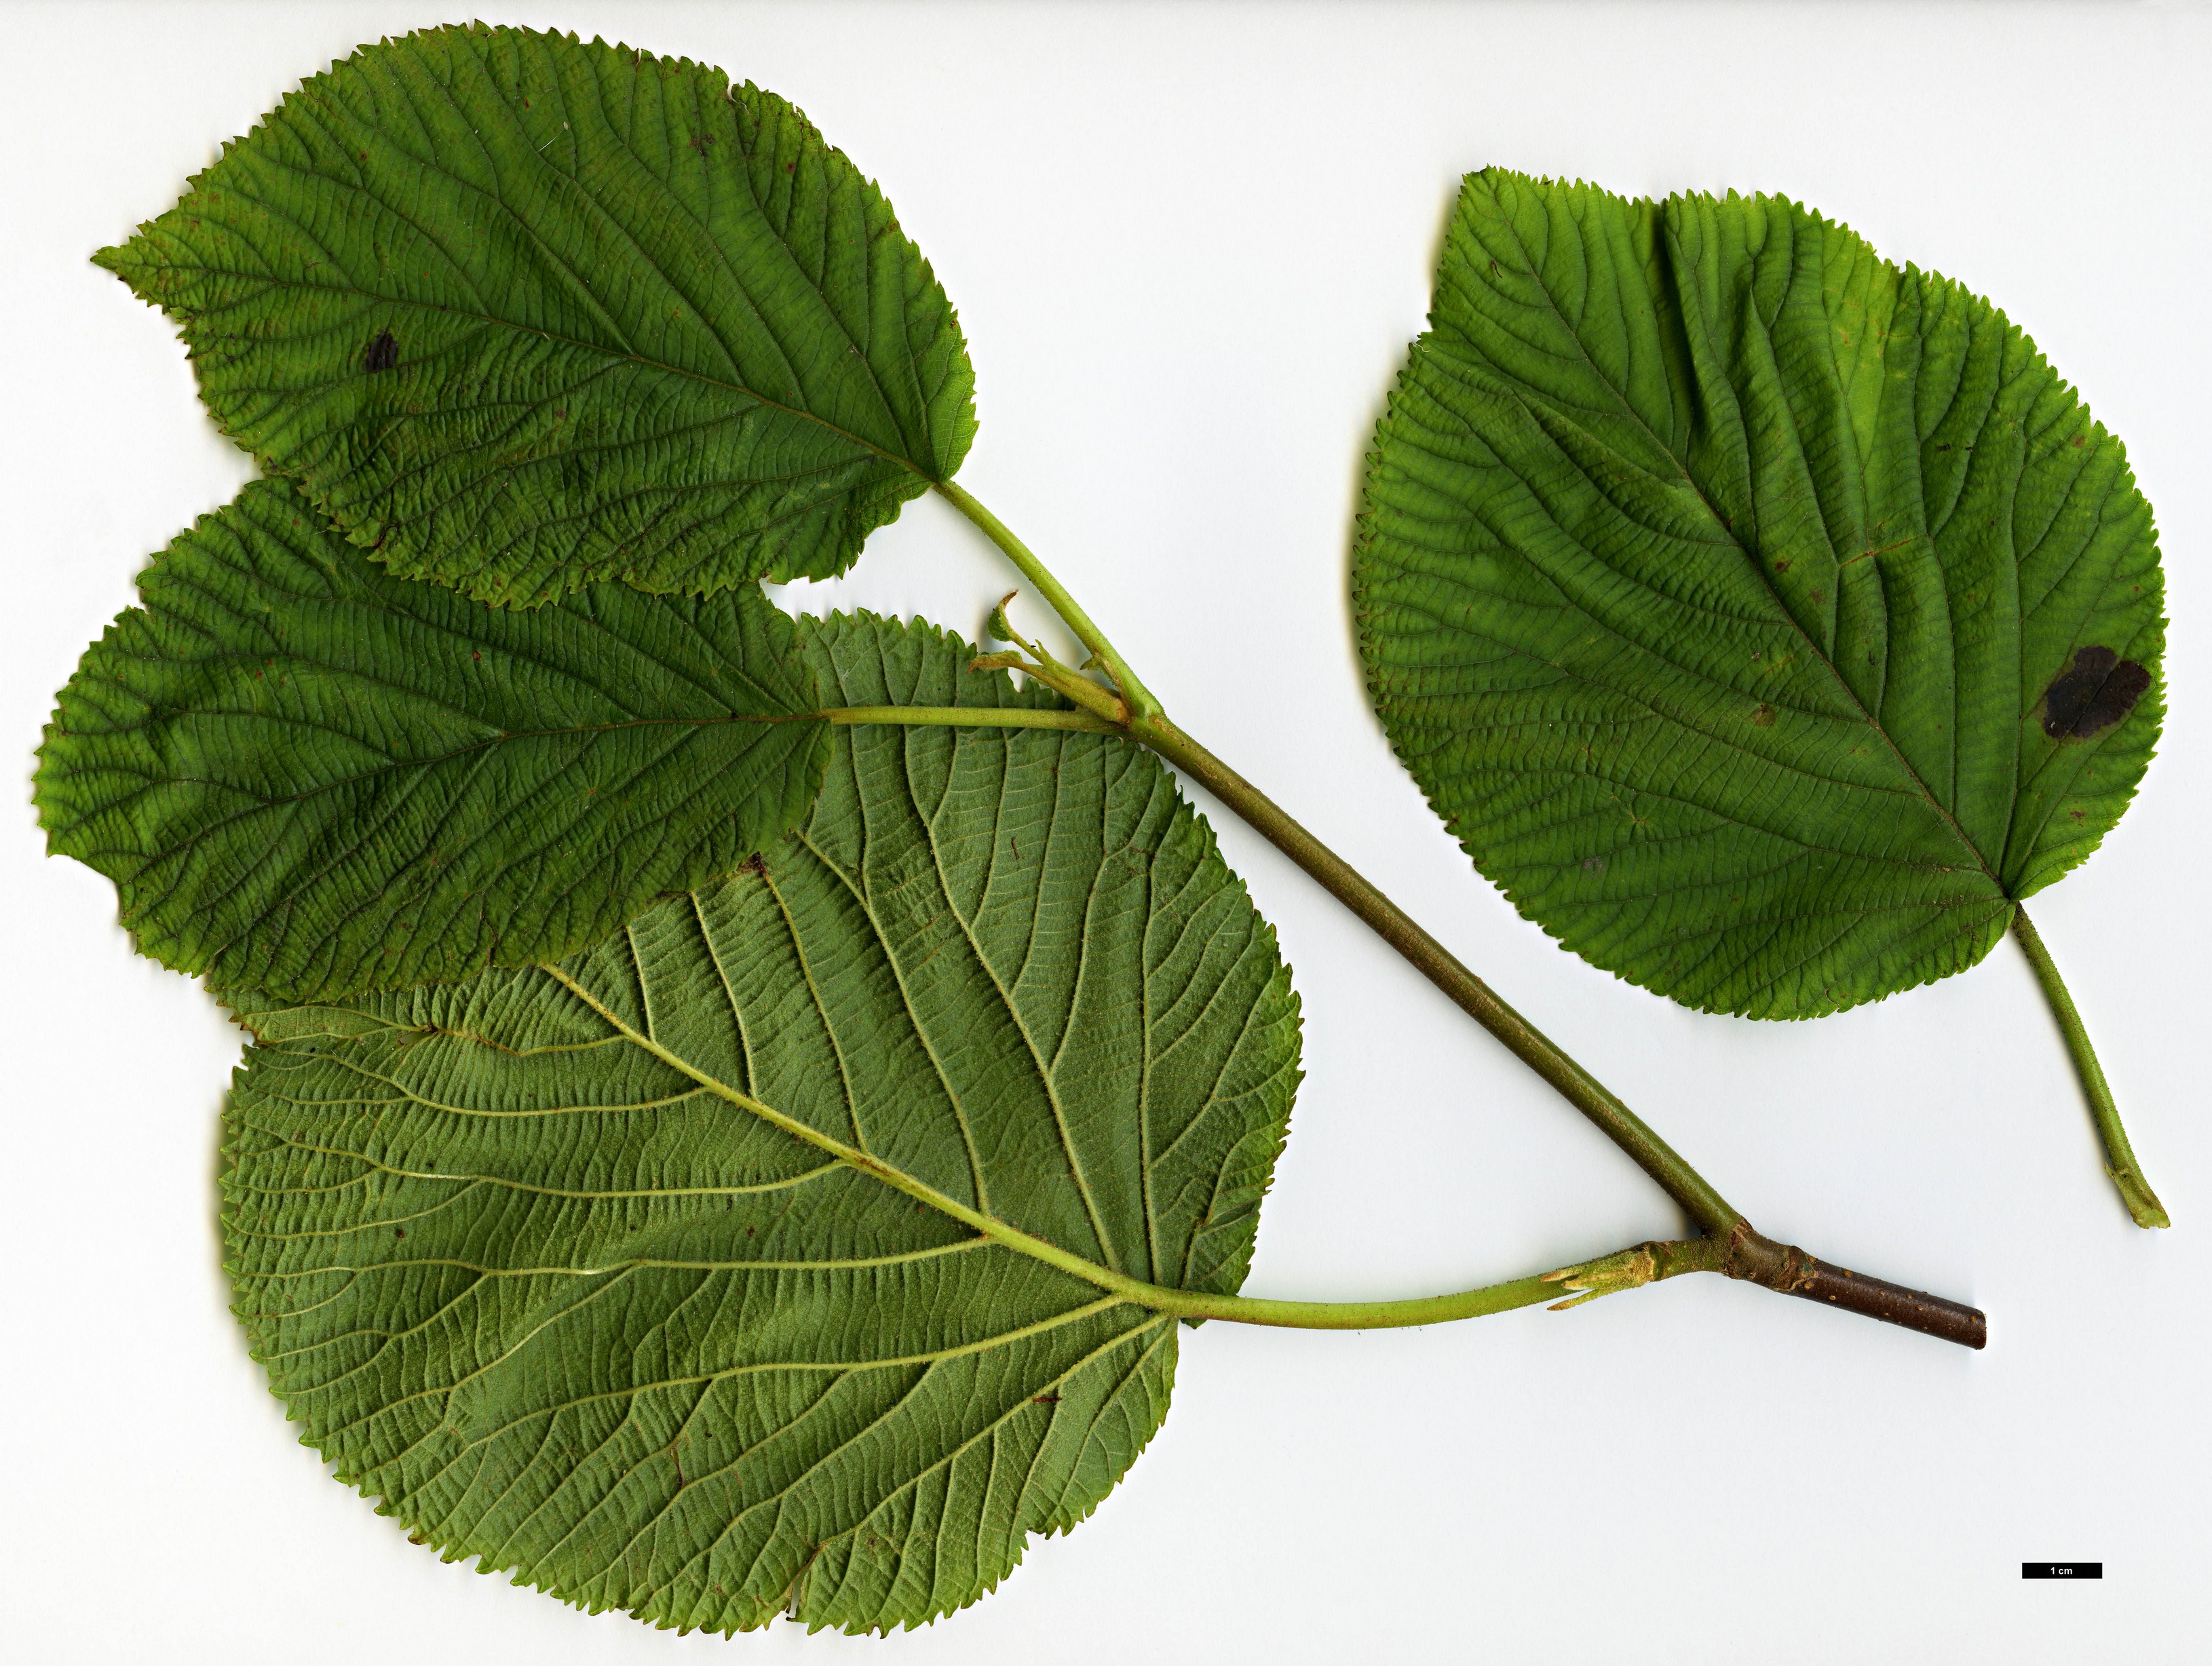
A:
{"points": [[383, 353], [2092, 695]]}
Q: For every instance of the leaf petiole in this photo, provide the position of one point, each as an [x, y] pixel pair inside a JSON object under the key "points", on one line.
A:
{"points": [[2119, 1157], [1349, 1315], [1140, 699]]}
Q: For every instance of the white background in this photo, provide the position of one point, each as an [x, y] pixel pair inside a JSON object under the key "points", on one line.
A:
{"points": [[1189, 246]]}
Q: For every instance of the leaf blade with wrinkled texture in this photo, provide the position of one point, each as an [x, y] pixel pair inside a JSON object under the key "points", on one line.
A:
{"points": [[308, 777], [525, 1257], [523, 314], [1714, 579]]}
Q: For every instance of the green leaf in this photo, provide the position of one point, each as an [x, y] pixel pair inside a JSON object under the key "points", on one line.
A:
{"points": [[676, 1277], [522, 314], [307, 777], [1764, 619]]}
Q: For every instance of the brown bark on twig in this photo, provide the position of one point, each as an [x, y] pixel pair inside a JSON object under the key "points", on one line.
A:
{"points": [[1786, 1267]]}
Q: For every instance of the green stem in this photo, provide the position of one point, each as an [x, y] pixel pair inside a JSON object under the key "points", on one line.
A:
{"points": [[2119, 1157], [1689, 1189], [1140, 699], [1727, 1243]]}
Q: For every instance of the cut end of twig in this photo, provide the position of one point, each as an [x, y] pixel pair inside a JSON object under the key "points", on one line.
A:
{"points": [[1892, 1303], [2143, 1207]]}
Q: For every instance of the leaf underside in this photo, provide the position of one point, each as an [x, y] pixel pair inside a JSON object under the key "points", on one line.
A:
{"points": [[522, 314], [1765, 619], [307, 777], [527, 1261]]}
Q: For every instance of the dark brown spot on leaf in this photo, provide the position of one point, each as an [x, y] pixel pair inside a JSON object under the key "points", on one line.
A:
{"points": [[2092, 695], [383, 353], [755, 864], [1763, 715]]}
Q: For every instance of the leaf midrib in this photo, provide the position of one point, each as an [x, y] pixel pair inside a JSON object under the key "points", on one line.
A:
{"points": [[1452, 726], [192, 321], [1758, 567], [502, 738], [1118, 1285]]}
